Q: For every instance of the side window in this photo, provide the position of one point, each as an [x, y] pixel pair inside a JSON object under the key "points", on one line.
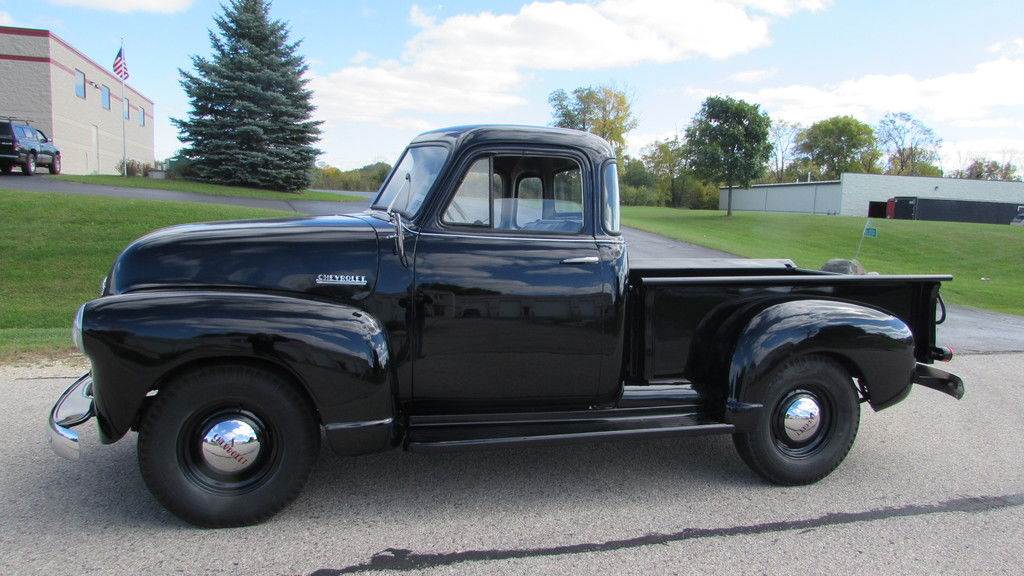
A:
{"points": [[610, 198], [105, 97], [80, 84], [529, 201], [40, 136], [568, 193], [528, 194], [142, 116], [126, 109], [471, 205]]}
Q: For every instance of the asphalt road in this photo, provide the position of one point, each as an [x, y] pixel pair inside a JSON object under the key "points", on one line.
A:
{"points": [[932, 486]]}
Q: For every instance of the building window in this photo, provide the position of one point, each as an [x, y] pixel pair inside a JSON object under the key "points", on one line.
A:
{"points": [[79, 83], [142, 116], [126, 108], [105, 97]]}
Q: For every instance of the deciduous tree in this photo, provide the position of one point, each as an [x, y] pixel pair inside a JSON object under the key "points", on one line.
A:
{"points": [[985, 169], [912, 148], [727, 143], [839, 144], [602, 110], [782, 136]]}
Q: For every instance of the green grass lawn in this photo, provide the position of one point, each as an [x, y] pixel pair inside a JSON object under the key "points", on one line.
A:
{"points": [[203, 188], [987, 260], [55, 249]]}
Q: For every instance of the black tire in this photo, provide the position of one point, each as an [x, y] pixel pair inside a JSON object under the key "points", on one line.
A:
{"points": [[55, 165], [6, 168], [28, 167], [175, 462], [771, 451]]}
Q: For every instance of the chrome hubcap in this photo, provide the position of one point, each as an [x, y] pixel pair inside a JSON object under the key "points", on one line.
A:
{"points": [[231, 445], [801, 418]]}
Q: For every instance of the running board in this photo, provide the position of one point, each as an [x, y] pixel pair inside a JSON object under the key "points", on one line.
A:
{"points": [[437, 432]]}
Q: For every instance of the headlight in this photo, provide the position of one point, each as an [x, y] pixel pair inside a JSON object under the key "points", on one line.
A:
{"points": [[76, 329]]}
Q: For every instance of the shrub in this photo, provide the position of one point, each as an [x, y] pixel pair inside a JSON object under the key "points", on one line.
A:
{"points": [[135, 168], [180, 168], [640, 196]]}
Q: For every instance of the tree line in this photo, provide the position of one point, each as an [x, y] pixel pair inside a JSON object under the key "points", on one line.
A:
{"points": [[731, 143]]}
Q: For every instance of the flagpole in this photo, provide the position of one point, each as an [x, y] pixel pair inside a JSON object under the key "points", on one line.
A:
{"points": [[124, 108]]}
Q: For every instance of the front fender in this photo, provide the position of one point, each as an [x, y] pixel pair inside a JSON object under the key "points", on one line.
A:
{"points": [[877, 347], [339, 354]]}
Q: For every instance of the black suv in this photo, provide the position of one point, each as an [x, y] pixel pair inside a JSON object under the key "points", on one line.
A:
{"points": [[24, 146]]}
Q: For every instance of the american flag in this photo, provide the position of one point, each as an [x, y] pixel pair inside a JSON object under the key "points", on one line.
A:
{"points": [[120, 66]]}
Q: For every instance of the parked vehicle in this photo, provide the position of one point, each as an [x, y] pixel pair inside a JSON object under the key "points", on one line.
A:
{"points": [[26, 147], [1018, 220], [485, 299]]}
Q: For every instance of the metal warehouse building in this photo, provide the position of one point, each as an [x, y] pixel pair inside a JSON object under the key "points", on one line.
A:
{"points": [[73, 100], [852, 194]]}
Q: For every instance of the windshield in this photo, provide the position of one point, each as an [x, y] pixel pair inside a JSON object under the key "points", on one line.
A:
{"points": [[410, 181]]}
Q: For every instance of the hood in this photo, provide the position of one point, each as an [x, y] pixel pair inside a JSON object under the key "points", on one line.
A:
{"points": [[333, 256]]}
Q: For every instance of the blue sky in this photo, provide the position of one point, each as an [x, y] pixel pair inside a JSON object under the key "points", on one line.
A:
{"points": [[384, 71]]}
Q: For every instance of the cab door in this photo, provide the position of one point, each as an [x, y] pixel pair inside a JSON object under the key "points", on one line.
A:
{"points": [[509, 290]]}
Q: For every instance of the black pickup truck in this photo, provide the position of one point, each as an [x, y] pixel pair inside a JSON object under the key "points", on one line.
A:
{"points": [[485, 298]]}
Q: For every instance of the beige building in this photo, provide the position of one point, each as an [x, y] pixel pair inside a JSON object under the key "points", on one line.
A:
{"points": [[73, 100]]}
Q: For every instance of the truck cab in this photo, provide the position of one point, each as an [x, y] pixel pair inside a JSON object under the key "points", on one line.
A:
{"points": [[485, 298]]}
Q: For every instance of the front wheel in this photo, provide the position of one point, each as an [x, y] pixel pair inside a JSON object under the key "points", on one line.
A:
{"points": [[55, 164], [809, 422], [227, 445]]}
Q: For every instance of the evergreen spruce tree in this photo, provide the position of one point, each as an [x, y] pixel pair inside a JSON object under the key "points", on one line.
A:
{"points": [[250, 119]]}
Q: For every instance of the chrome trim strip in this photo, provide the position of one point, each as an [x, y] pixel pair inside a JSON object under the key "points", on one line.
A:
{"points": [[582, 260], [359, 424], [524, 237], [74, 407]]}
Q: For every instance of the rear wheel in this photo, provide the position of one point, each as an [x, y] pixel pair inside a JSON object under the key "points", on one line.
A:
{"points": [[6, 168], [28, 167], [228, 445], [809, 422], [55, 164]]}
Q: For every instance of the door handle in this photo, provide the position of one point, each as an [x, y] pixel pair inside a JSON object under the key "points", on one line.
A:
{"points": [[582, 260]]}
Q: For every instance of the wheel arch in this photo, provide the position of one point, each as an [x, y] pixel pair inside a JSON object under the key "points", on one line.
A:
{"points": [[336, 354], [280, 369], [874, 347]]}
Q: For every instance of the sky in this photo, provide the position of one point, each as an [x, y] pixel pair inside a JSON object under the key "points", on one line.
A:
{"points": [[385, 71]]}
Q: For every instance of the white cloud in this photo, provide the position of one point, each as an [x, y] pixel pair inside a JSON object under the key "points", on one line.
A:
{"points": [[478, 63], [754, 76], [637, 142], [1013, 47], [6, 19], [165, 6], [974, 97], [958, 153], [360, 57]]}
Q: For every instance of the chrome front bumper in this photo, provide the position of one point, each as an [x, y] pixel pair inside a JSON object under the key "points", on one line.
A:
{"points": [[74, 407]]}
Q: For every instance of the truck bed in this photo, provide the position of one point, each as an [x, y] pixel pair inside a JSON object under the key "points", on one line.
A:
{"points": [[673, 297]]}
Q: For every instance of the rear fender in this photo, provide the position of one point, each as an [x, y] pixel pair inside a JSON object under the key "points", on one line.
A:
{"points": [[876, 347], [337, 353]]}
